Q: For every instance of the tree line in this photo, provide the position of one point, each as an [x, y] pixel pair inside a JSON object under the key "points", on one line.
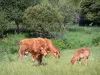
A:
{"points": [[36, 16]]}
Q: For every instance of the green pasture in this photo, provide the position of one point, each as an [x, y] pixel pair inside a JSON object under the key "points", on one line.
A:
{"points": [[52, 66], [75, 38]]}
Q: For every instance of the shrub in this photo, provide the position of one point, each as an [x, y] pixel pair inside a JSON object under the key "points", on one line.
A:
{"points": [[96, 40], [3, 23], [43, 18], [89, 10], [59, 43]]}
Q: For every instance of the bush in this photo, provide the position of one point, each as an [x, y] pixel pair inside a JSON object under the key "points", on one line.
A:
{"points": [[59, 43], [89, 10], [43, 18], [74, 40], [69, 13], [3, 23], [96, 40]]}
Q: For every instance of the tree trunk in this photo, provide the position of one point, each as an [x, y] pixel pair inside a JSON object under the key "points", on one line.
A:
{"points": [[17, 23]]}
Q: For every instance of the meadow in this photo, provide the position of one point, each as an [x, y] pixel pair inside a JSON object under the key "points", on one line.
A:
{"points": [[75, 38]]}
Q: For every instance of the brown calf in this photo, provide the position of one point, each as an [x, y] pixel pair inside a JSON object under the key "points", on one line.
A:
{"points": [[81, 54]]}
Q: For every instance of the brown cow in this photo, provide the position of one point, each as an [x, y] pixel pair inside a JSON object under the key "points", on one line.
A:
{"points": [[38, 47], [50, 49], [35, 46], [81, 54]]}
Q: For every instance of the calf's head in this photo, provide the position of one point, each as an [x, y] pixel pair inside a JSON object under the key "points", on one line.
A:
{"points": [[73, 60]]}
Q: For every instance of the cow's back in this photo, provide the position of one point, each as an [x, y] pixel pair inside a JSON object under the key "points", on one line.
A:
{"points": [[86, 52], [26, 44]]}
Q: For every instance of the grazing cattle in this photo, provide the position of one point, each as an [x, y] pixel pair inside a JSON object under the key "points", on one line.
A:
{"points": [[38, 47], [81, 54], [35, 46]]}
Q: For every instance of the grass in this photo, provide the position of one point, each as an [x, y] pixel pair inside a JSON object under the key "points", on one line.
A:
{"points": [[74, 39], [77, 37], [54, 66]]}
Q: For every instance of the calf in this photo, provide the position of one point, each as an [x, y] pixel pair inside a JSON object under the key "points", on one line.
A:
{"points": [[81, 54]]}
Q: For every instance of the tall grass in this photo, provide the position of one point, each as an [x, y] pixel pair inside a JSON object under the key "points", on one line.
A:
{"points": [[9, 45], [75, 38], [53, 66]]}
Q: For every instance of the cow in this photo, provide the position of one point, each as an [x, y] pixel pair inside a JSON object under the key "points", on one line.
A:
{"points": [[81, 54], [35, 46], [38, 47]]}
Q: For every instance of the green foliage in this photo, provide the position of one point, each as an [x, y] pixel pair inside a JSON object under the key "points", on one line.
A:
{"points": [[43, 18], [74, 40], [54, 2], [2, 51], [96, 40], [15, 8], [69, 11], [78, 37], [9, 45], [59, 43], [89, 9], [53, 66], [3, 22]]}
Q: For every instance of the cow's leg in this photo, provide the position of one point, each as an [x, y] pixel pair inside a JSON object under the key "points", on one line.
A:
{"points": [[39, 59], [22, 50], [86, 60], [21, 54], [32, 58], [79, 60]]}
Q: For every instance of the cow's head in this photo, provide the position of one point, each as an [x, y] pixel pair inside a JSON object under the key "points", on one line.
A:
{"points": [[57, 54]]}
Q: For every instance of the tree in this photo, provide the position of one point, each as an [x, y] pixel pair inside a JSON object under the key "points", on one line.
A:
{"points": [[90, 10], [15, 8], [42, 19], [69, 11], [3, 23], [55, 2]]}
